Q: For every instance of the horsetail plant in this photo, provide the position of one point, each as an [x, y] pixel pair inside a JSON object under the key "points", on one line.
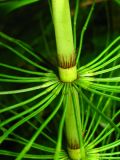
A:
{"points": [[77, 97]]}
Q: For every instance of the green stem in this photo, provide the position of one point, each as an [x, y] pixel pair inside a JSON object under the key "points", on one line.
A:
{"points": [[72, 123], [64, 40], [68, 73]]}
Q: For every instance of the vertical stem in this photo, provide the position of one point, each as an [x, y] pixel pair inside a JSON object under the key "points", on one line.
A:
{"points": [[68, 73], [73, 125], [70, 124], [75, 21], [83, 31], [64, 40]]}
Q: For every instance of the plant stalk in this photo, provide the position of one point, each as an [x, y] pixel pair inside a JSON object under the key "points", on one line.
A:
{"points": [[64, 40], [68, 73], [73, 126]]}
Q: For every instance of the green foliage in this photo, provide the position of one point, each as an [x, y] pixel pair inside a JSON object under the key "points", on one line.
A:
{"points": [[6, 6], [118, 1], [34, 102]]}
